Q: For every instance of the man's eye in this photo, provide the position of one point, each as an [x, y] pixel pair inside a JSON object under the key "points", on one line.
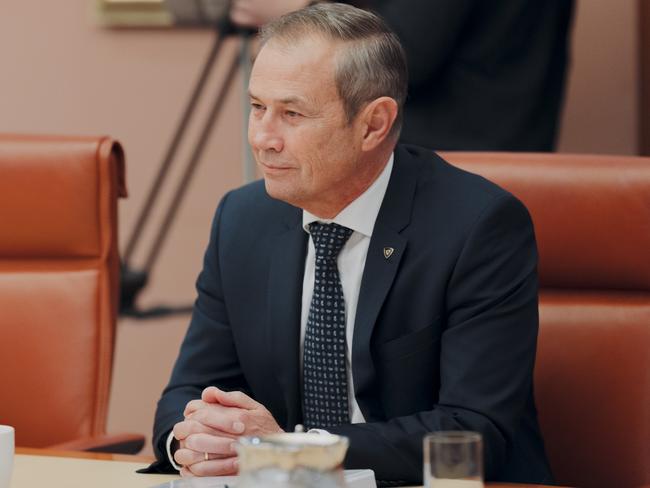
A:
{"points": [[291, 114], [257, 106]]}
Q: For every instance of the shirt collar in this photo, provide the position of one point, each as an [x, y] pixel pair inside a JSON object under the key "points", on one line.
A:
{"points": [[361, 214]]}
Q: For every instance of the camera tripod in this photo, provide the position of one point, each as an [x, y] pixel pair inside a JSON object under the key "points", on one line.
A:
{"points": [[134, 280]]}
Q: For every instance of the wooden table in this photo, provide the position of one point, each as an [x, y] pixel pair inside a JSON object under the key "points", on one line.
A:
{"points": [[34, 468]]}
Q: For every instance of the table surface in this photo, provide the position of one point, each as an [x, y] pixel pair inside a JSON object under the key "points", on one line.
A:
{"points": [[40, 467]]}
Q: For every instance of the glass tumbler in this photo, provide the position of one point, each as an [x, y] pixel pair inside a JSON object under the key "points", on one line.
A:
{"points": [[453, 459]]}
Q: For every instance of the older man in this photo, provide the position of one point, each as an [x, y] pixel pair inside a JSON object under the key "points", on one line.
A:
{"points": [[365, 289]]}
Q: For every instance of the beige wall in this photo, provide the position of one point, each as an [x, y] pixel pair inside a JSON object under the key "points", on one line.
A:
{"points": [[601, 112], [60, 73]]}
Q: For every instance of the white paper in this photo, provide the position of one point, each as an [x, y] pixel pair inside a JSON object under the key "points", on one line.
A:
{"points": [[354, 478], [447, 483]]}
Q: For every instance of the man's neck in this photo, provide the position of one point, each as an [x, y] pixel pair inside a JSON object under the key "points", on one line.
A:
{"points": [[330, 209]]}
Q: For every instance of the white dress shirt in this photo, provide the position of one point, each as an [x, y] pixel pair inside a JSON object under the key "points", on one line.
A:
{"points": [[360, 216]]}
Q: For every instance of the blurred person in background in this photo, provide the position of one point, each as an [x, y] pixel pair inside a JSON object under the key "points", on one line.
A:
{"points": [[484, 76]]}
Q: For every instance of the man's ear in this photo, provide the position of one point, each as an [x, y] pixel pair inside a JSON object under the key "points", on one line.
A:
{"points": [[378, 118]]}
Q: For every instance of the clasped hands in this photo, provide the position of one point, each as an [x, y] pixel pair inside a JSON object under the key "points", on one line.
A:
{"points": [[211, 427]]}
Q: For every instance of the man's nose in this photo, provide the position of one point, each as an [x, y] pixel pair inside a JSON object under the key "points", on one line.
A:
{"points": [[264, 135]]}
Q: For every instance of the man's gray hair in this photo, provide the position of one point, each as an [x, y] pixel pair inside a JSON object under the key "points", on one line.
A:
{"points": [[373, 66]]}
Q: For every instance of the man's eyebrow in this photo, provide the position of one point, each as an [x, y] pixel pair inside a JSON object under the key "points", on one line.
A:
{"points": [[293, 99], [285, 100]]}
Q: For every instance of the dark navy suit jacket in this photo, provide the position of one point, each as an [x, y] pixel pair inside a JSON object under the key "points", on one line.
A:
{"points": [[445, 331]]}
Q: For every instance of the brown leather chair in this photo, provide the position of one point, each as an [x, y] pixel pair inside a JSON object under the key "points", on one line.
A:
{"points": [[592, 219], [59, 289]]}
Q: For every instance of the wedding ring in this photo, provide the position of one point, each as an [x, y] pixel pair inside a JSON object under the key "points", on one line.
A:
{"points": [[205, 456]]}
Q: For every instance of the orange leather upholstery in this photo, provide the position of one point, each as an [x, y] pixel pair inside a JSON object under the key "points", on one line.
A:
{"points": [[58, 284], [592, 219]]}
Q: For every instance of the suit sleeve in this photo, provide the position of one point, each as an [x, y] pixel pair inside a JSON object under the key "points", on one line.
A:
{"points": [[487, 352], [429, 31], [207, 355]]}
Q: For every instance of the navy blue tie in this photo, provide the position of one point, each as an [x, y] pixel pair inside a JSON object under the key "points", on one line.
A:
{"points": [[325, 382]]}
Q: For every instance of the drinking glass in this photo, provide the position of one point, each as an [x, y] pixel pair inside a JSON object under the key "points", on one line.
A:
{"points": [[453, 459], [6, 454]]}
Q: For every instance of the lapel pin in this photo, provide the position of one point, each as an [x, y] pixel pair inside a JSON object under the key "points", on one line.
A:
{"points": [[388, 252]]}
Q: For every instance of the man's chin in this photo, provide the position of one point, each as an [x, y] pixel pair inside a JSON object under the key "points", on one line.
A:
{"points": [[279, 191]]}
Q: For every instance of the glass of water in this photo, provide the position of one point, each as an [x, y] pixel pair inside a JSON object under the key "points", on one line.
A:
{"points": [[453, 459]]}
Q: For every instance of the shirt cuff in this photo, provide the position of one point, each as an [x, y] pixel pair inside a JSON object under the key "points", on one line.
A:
{"points": [[168, 446]]}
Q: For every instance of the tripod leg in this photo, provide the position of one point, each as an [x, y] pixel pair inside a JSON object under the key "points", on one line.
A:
{"points": [[191, 166], [173, 147], [248, 163]]}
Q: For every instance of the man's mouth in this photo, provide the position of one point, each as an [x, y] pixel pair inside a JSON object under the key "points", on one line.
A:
{"points": [[275, 167]]}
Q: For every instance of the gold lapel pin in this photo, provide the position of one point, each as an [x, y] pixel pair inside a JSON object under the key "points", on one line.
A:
{"points": [[388, 252]]}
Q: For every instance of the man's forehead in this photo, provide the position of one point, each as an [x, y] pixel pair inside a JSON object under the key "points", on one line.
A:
{"points": [[289, 91], [293, 73], [301, 50]]}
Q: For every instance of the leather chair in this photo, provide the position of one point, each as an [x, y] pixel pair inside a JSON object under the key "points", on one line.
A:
{"points": [[592, 220], [59, 289]]}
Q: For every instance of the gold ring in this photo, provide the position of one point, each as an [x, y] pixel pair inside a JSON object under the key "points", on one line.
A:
{"points": [[205, 456]]}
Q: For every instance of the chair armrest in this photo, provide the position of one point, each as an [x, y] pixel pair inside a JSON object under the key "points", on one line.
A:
{"points": [[115, 443]]}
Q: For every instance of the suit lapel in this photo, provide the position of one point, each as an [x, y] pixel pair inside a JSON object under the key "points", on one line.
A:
{"points": [[387, 246], [287, 254]]}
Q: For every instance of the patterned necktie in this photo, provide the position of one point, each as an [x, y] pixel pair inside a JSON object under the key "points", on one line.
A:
{"points": [[324, 376]]}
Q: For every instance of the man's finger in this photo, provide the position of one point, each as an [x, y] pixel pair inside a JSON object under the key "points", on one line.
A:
{"points": [[190, 426], [193, 406], [217, 467], [228, 398], [222, 446], [197, 405], [186, 457], [189, 457], [228, 420]]}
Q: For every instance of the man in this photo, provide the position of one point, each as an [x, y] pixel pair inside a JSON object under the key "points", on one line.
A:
{"points": [[482, 75], [371, 291]]}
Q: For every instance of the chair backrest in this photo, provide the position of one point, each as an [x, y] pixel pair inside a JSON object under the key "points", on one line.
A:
{"points": [[592, 374], [58, 284]]}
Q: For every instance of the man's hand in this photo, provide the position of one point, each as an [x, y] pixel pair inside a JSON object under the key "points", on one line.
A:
{"points": [[254, 13], [197, 439], [232, 412], [212, 426]]}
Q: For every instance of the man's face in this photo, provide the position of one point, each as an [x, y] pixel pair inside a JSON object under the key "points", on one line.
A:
{"points": [[300, 136]]}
